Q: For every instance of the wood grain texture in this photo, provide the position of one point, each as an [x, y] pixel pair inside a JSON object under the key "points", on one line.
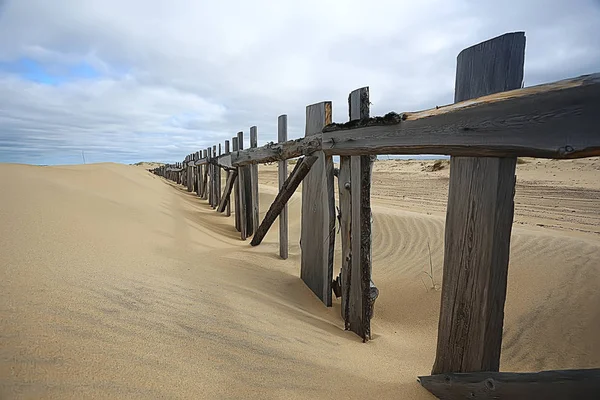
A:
{"points": [[285, 193], [556, 120], [218, 178], [282, 177], [254, 205], [235, 148], [283, 150], [478, 227], [551, 385], [359, 303], [205, 180], [345, 210], [228, 176], [229, 185], [242, 192], [317, 235]]}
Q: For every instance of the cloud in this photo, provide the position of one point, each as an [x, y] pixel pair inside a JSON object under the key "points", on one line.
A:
{"points": [[156, 80]]}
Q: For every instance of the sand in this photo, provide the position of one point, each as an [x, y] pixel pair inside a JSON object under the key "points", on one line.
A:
{"points": [[117, 284]]}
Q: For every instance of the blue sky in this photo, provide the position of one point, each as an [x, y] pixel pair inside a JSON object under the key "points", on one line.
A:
{"points": [[157, 79]]}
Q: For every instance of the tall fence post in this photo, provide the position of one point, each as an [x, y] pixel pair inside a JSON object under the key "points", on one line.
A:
{"points": [[214, 178], [282, 175], [235, 146], [254, 197], [227, 175], [218, 179], [204, 175], [242, 178], [478, 223], [317, 235]]}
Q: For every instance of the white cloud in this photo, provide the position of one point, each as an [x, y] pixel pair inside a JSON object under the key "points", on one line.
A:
{"points": [[177, 76]]}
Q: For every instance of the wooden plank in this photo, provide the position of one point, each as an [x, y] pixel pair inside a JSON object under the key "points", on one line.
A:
{"points": [[215, 176], [478, 224], [218, 179], [229, 185], [547, 385], [283, 150], [254, 198], [345, 210], [556, 120], [357, 287], [205, 180], [317, 235], [234, 145], [210, 178], [285, 193], [282, 177], [242, 177], [227, 177]]}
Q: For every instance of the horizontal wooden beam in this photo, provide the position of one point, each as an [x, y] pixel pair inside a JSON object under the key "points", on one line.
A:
{"points": [[277, 151], [550, 385], [555, 120]]}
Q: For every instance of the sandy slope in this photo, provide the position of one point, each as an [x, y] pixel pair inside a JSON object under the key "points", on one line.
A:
{"points": [[117, 284]]}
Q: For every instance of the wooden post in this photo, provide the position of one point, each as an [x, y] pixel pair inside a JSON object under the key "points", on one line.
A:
{"points": [[215, 169], [227, 175], [198, 174], [218, 181], [190, 173], [242, 178], [254, 196], [282, 172], [354, 182], [234, 144], [317, 236], [231, 179], [209, 185], [478, 223], [205, 181]]}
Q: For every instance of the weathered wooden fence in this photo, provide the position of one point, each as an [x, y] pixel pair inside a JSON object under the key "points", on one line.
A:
{"points": [[491, 123]]}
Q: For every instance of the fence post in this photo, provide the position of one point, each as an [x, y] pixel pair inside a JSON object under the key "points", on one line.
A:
{"points": [[235, 146], [218, 180], [478, 223], [205, 176], [214, 178], [317, 236], [254, 196], [227, 174], [242, 178], [282, 172]]}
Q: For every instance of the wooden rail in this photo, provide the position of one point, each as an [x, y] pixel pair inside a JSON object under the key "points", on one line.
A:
{"points": [[484, 131]]}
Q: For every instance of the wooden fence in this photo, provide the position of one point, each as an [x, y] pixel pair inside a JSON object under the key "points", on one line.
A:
{"points": [[491, 123]]}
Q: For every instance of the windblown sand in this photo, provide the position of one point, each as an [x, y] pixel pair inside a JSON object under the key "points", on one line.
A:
{"points": [[115, 283]]}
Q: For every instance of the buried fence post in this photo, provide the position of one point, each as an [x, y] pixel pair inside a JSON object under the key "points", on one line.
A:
{"points": [[227, 175], [254, 197], [317, 235], [242, 178], [478, 223], [234, 145], [282, 176], [354, 183]]}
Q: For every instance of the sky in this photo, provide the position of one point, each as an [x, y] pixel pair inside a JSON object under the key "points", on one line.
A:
{"points": [[155, 80]]}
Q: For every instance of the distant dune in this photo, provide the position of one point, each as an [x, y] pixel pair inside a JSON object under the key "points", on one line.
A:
{"points": [[115, 283]]}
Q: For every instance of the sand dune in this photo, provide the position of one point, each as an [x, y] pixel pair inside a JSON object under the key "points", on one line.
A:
{"points": [[117, 284]]}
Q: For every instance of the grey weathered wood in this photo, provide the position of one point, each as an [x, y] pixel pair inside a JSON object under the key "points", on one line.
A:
{"points": [[345, 201], [283, 150], [254, 198], [229, 185], [478, 224], [227, 177], [282, 177], [205, 180], [285, 193], [547, 385], [210, 185], [218, 179], [235, 147], [215, 179], [317, 235], [357, 292], [556, 120], [242, 177]]}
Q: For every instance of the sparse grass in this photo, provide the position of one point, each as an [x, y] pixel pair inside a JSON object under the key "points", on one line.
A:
{"points": [[522, 161], [434, 286]]}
